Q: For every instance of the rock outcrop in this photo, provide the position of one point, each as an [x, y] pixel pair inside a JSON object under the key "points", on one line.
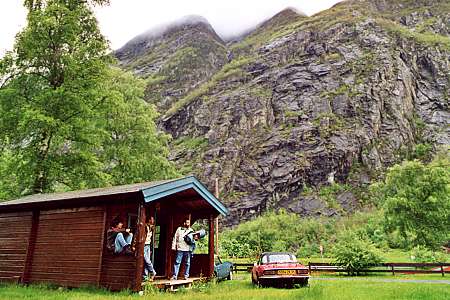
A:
{"points": [[302, 113]]}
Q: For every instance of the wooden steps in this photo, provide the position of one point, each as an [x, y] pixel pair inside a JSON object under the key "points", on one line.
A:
{"points": [[172, 285]]}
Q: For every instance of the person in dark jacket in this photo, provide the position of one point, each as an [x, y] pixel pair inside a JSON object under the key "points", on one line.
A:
{"points": [[118, 238]]}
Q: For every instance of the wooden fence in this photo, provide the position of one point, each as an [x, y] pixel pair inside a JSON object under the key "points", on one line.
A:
{"points": [[403, 268]]}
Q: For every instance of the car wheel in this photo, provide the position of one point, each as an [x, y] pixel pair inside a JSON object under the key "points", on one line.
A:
{"points": [[304, 283], [230, 276]]}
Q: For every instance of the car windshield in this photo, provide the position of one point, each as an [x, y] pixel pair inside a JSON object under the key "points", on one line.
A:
{"points": [[278, 258]]}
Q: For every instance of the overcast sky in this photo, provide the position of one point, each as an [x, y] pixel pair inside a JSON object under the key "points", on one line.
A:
{"points": [[124, 19]]}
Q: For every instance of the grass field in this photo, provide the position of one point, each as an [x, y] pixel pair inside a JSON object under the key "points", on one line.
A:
{"points": [[365, 289]]}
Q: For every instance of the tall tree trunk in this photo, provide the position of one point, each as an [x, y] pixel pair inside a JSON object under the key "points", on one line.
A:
{"points": [[40, 184]]}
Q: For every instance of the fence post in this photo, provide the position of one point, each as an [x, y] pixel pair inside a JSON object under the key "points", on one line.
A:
{"points": [[442, 270], [393, 271], [309, 267]]}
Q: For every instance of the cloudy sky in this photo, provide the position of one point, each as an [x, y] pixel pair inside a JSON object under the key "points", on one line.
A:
{"points": [[124, 19]]}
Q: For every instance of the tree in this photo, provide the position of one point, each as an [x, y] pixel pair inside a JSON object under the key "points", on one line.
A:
{"points": [[134, 149], [417, 202], [63, 109]]}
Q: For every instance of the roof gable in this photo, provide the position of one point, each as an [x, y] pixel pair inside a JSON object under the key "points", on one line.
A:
{"points": [[168, 188]]}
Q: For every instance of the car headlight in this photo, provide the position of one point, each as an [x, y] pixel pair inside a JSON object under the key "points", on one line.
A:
{"points": [[269, 272]]}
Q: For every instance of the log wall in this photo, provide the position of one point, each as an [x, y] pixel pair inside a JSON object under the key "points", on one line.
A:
{"points": [[14, 235], [68, 246]]}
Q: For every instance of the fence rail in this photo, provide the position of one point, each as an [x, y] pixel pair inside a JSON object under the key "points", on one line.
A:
{"points": [[404, 268], [408, 268]]}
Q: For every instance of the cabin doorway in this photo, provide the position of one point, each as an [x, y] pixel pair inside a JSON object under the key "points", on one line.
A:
{"points": [[159, 243]]}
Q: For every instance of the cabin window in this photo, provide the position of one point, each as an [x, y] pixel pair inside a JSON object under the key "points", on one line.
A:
{"points": [[132, 222]]}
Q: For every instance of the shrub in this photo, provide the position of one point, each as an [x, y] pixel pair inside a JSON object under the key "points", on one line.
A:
{"points": [[355, 253], [234, 248], [422, 254]]}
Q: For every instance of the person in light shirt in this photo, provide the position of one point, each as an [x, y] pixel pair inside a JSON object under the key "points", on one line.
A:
{"points": [[183, 250], [149, 271]]}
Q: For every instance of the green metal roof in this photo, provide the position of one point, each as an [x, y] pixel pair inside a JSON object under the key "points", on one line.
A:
{"points": [[151, 191]]}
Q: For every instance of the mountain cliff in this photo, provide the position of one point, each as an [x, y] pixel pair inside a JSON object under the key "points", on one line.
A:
{"points": [[174, 58], [303, 112]]}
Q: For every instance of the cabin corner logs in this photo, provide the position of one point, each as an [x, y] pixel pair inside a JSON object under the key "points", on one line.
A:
{"points": [[64, 243]]}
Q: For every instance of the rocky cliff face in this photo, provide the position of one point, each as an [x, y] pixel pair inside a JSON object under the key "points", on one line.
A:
{"points": [[303, 112]]}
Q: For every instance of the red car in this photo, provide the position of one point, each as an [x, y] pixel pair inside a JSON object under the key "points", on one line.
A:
{"points": [[279, 269]]}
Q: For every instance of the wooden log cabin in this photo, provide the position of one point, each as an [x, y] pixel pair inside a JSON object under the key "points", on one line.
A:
{"points": [[60, 238]]}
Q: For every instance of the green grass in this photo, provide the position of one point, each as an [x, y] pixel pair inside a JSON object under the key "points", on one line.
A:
{"points": [[243, 289]]}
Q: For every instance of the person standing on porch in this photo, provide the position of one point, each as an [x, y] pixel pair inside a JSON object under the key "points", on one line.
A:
{"points": [[183, 250], [149, 271]]}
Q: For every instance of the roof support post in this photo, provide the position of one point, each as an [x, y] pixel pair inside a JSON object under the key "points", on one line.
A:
{"points": [[30, 249], [216, 220], [140, 240], [211, 222]]}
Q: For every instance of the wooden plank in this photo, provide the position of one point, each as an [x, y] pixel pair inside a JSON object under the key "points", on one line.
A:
{"points": [[17, 263], [10, 279], [82, 259], [16, 214], [38, 276], [61, 240], [102, 246], [140, 240], [67, 249], [71, 214], [23, 233], [4, 273], [12, 227], [19, 219], [64, 264], [73, 269], [77, 282], [70, 210], [12, 255], [68, 227]]}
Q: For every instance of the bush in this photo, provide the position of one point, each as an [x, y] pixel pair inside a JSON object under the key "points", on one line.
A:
{"points": [[275, 231], [234, 248], [355, 253], [422, 254]]}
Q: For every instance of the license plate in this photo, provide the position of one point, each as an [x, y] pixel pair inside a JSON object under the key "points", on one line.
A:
{"points": [[286, 272]]}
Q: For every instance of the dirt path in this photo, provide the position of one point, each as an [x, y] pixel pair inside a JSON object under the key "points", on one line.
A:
{"points": [[384, 280]]}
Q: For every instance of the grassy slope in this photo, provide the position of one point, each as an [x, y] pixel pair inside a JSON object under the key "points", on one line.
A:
{"points": [[243, 289]]}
